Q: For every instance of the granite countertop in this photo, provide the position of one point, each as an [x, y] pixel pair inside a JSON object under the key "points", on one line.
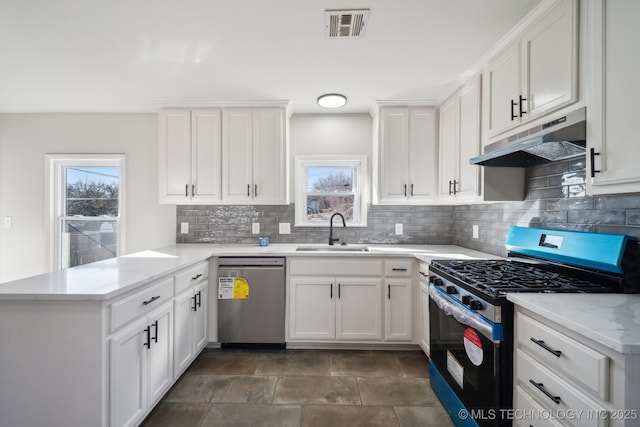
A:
{"points": [[107, 279], [612, 320]]}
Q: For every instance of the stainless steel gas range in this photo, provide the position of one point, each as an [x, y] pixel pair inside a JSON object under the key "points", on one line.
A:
{"points": [[471, 321]]}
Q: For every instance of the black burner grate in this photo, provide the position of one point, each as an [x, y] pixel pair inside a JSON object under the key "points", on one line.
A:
{"points": [[497, 276]]}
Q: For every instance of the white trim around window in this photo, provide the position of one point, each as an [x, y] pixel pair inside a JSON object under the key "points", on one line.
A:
{"points": [[356, 190], [55, 165]]}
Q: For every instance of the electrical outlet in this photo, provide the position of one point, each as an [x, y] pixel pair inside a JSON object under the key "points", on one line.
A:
{"points": [[284, 228], [184, 228], [476, 232], [8, 222], [255, 228], [398, 229]]}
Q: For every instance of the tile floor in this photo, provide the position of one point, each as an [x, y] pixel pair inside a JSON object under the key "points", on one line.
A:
{"points": [[302, 388]]}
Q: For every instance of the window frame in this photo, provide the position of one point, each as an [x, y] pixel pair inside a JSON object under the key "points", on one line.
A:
{"points": [[358, 162], [55, 165]]}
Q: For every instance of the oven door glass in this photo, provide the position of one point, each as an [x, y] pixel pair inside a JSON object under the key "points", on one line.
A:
{"points": [[466, 357]]}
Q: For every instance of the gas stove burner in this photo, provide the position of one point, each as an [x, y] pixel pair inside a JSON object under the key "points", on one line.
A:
{"points": [[496, 277]]}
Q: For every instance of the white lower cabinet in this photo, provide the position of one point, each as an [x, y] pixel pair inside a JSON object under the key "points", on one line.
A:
{"points": [[563, 375], [358, 309], [141, 365], [328, 308], [190, 325], [424, 308], [348, 306], [398, 282], [345, 306]]}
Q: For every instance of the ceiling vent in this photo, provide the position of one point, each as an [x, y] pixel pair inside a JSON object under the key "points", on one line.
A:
{"points": [[345, 24]]}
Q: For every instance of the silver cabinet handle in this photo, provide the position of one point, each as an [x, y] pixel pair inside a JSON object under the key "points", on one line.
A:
{"points": [[186, 190], [248, 190], [255, 191], [193, 190]]}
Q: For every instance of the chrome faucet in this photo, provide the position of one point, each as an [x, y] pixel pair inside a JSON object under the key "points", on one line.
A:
{"points": [[344, 224]]}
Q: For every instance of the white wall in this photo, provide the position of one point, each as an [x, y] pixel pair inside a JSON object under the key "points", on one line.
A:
{"points": [[24, 141], [315, 134]]}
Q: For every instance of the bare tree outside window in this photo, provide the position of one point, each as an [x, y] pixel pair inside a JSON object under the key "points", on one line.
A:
{"points": [[330, 190]]}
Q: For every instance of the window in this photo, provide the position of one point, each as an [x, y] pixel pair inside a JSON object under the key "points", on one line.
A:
{"points": [[86, 208], [328, 185]]}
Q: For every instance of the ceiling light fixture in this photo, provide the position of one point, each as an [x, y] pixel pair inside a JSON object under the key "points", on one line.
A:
{"points": [[332, 100]]}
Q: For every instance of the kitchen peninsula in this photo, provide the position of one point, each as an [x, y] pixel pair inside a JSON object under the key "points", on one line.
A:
{"points": [[70, 338]]}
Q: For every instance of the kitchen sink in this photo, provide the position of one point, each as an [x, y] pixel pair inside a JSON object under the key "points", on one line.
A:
{"points": [[337, 248]]}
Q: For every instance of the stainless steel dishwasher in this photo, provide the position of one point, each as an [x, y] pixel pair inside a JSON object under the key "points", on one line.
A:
{"points": [[259, 319]]}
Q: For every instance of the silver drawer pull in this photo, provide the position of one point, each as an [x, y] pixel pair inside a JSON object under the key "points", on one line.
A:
{"points": [[196, 277], [541, 343], [150, 300], [398, 269], [424, 274], [540, 387]]}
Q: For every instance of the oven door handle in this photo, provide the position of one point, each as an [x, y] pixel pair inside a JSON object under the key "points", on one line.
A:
{"points": [[461, 314]]}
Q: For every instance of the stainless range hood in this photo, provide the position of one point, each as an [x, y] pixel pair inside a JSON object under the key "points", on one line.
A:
{"points": [[560, 139]]}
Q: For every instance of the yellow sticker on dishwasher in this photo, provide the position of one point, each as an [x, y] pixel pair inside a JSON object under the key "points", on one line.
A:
{"points": [[233, 288], [240, 288]]}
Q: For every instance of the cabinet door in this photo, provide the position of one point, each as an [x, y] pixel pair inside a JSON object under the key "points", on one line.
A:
{"points": [[128, 375], [449, 141], [237, 155], [160, 353], [200, 338], [394, 140], [358, 309], [613, 107], [312, 311], [422, 160], [502, 79], [468, 186], [398, 310], [269, 161], [550, 61], [175, 155], [424, 317], [183, 331], [206, 155]]}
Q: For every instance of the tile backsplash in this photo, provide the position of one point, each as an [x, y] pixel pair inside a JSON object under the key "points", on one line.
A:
{"points": [[555, 198], [232, 224]]}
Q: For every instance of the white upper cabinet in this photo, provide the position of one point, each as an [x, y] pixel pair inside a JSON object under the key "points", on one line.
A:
{"points": [[550, 61], [254, 156], [189, 153], [612, 135], [405, 166], [535, 75], [459, 141]]}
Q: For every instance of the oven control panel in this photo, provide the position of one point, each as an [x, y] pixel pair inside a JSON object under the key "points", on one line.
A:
{"points": [[466, 298]]}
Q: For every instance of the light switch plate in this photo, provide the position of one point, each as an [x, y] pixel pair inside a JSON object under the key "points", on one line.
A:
{"points": [[398, 229], [476, 231], [284, 228], [184, 228], [255, 228], [7, 222]]}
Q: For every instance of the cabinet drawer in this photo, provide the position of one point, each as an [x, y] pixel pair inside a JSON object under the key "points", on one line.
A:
{"points": [[400, 268], [335, 267], [192, 276], [582, 364], [569, 399], [140, 303], [530, 413]]}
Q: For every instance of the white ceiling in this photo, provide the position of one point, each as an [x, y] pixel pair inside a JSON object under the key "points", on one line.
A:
{"points": [[127, 55]]}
